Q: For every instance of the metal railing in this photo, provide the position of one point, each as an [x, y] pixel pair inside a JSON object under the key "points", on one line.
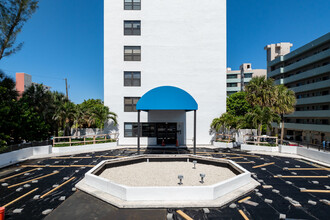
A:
{"points": [[252, 139], [319, 147]]}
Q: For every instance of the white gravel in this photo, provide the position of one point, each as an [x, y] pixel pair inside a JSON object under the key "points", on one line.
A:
{"points": [[166, 174]]}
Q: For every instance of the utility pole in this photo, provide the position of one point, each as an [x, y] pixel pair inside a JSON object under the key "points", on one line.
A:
{"points": [[66, 88]]}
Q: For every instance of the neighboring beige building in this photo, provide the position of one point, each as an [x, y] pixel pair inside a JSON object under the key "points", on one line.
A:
{"points": [[237, 79]]}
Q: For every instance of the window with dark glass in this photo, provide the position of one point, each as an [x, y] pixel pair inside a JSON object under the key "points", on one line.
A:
{"points": [[132, 78], [231, 76], [132, 27], [132, 53], [132, 4], [130, 104], [147, 129], [231, 84], [247, 75]]}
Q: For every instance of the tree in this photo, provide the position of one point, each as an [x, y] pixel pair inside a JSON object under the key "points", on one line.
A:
{"points": [[14, 13], [260, 91], [58, 99], [237, 104], [262, 116], [96, 114], [37, 114], [284, 104], [102, 114], [9, 111], [64, 114], [226, 121]]}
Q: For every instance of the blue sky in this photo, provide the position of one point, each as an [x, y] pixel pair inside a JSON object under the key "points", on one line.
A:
{"points": [[64, 39]]}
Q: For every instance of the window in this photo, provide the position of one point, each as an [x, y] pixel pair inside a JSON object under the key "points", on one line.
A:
{"points": [[132, 27], [247, 75], [132, 78], [130, 129], [132, 53], [132, 4], [231, 84], [147, 129], [231, 76], [130, 104]]}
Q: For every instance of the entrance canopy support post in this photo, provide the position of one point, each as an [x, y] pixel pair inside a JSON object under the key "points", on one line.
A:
{"points": [[194, 132], [139, 131]]}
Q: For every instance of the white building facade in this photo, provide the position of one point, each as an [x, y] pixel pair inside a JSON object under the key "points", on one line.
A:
{"points": [[153, 43]]}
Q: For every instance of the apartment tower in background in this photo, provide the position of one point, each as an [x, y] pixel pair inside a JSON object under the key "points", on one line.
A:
{"points": [[237, 79], [307, 72]]}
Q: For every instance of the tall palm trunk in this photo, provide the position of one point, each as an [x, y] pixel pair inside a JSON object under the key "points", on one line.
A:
{"points": [[282, 128], [259, 133]]}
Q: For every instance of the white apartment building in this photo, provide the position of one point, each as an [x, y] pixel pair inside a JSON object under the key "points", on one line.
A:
{"points": [[154, 43]]}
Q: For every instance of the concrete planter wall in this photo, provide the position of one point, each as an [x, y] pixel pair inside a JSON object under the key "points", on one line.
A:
{"points": [[89, 147], [167, 193], [288, 149], [314, 154], [19, 155], [250, 147], [13, 157], [222, 144]]}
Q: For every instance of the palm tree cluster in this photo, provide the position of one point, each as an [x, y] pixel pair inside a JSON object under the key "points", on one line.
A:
{"points": [[92, 113], [268, 103], [40, 114]]}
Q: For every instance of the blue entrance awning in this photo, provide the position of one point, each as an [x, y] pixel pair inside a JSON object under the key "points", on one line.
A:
{"points": [[167, 98]]}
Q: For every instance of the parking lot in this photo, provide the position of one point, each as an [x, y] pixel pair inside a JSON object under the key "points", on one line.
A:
{"points": [[45, 188]]}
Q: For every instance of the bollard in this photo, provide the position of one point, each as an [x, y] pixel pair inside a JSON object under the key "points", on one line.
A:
{"points": [[2, 213]]}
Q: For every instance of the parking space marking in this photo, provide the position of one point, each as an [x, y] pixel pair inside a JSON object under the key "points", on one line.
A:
{"points": [[263, 165], [319, 168], [9, 177], [15, 200], [315, 190], [245, 162], [55, 158], [41, 177], [246, 198], [234, 158], [78, 165], [184, 215], [301, 176], [57, 187], [243, 214], [248, 155]]}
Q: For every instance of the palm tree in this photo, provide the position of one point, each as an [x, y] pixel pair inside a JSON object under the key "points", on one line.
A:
{"points": [[64, 114], [101, 114], [58, 100], [260, 91], [262, 116], [78, 118], [227, 122], [284, 104]]}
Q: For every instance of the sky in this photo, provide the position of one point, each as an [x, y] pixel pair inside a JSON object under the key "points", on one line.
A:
{"points": [[64, 39]]}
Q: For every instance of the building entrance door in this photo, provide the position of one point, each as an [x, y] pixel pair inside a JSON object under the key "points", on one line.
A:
{"points": [[166, 132]]}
